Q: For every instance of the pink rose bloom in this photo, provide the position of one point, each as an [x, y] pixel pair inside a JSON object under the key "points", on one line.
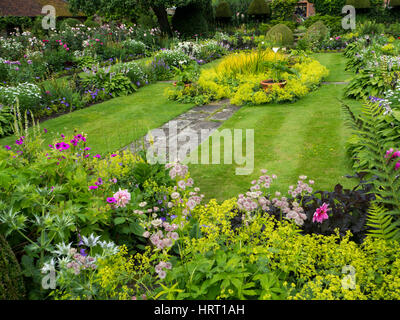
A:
{"points": [[321, 214], [123, 197]]}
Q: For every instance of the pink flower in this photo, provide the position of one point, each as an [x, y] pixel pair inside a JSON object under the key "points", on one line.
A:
{"points": [[321, 214], [93, 187], [397, 166], [122, 197], [111, 200]]}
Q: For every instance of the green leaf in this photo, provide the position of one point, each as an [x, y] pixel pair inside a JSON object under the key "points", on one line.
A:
{"points": [[136, 229], [119, 220]]}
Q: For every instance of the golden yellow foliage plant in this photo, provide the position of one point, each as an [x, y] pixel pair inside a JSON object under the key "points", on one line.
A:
{"points": [[316, 266], [238, 77]]}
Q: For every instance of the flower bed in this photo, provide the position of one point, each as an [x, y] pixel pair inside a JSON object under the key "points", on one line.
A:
{"points": [[239, 75], [120, 228]]}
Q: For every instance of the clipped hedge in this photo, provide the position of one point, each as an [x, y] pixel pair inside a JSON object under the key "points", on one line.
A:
{"points": [[359, 4], [223, 10], [190, 20], [334, 23], [280, 35], [318, 31], [11, 281], [259, 7], [283, 9]]}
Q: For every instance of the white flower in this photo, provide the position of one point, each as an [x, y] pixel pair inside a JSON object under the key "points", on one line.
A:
{"points": [[62, 249], [91, 241], [156, 223], [48, 266]]}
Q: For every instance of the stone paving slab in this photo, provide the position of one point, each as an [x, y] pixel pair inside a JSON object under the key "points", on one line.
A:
{"points": [[186, 132]]}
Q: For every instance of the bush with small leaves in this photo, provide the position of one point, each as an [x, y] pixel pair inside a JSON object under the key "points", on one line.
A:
{"points": [[223, 10], [11, 281], [280, 35]]}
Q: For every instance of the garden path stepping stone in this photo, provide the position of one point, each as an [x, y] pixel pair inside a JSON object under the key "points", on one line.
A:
{"points": [[178, 137]]}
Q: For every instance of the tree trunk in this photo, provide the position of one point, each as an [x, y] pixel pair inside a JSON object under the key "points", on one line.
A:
{"points": [[162, 17]]}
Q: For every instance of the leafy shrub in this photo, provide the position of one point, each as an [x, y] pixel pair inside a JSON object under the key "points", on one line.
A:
{"points": [[136, 73], [238, 77], [364, 84], [6, 118], [3, 71], [173, 58], [280, 35], [69, 22], [334, 23], [134, 47], [119, 85], [113, 51], [90, 23], [28, 95], [190, 20], [259, 7], [283, 9], [349, 209], [86, 61], [373, 152], [11, 284], [60, 95], [159, 70], [317, 32], [223, 10], [370, 28], [329, 7], [278, 263], [359, 4], [57, 60]]}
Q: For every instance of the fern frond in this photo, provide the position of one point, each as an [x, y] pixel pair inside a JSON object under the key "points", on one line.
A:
{"points": [[381, 224]]}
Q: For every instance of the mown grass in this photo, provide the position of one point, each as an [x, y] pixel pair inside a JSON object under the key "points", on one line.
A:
{"points": [[303, 138], [115, 123]]}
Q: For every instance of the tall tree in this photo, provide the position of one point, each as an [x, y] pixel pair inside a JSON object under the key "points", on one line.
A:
{"points": [[122, 8]]}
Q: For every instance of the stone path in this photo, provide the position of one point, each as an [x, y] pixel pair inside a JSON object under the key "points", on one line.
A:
{"points": [[178, 137]]}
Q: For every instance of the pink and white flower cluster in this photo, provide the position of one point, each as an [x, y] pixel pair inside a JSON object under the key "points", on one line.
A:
{"points": [[302, 187], [81, 262], [177, 170], [255, 199], [293, 211], [164, 234], [161, 267], [122, 198]]}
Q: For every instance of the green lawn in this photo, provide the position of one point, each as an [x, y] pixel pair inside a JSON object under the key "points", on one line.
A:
{"points": [[307, 137], [115, 123], [336, 64]]}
